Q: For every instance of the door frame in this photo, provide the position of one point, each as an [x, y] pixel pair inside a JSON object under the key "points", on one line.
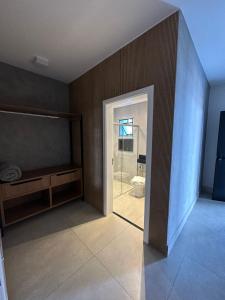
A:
{"points": [[108, 106]]}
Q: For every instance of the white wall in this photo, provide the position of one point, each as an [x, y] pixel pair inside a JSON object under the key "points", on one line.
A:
{"points": [[3, 288], [216, 105], [139, 114], [188, 133]]}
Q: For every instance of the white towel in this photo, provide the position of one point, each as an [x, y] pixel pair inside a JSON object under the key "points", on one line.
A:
{"points": [[9, 172]]}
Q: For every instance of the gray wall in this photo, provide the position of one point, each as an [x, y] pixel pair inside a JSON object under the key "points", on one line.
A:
{"points": [[33, 142], [216, 105], [191, 101]]}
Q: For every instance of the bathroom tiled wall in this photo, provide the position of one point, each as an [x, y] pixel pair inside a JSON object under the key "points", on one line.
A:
{"points": [[127, 161]]}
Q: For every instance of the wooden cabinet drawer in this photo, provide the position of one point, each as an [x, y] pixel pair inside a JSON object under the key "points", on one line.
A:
{"points": [[63, 178], [17, 189]]}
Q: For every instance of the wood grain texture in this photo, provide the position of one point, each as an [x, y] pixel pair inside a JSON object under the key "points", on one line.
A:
{"points": [[37, 191], [151, 60], [148, 60], [87, 95]]}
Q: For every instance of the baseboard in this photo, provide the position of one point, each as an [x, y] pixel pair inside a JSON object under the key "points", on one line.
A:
{"points": [[162, 249], [175, 236], [206, 190]]}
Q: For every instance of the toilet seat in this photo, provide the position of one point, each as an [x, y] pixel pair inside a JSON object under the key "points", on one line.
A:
{"points": [[138, 180]]}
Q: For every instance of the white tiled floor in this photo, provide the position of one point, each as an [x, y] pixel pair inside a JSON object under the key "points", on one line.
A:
{"points": [[75, 253], [120, 188], [127, 205]]}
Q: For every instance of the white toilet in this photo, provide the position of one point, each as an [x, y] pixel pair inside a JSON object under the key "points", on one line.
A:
{"points": [[138, 182]]}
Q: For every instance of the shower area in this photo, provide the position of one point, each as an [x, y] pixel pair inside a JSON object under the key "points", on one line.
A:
{"points": [[129, 162]]}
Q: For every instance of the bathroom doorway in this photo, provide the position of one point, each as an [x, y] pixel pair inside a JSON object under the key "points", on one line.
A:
{"points": [[129, 160], [128, 121]]}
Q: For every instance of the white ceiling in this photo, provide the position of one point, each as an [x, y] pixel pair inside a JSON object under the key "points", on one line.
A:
{"points": [[206, 22], [73, 34]]}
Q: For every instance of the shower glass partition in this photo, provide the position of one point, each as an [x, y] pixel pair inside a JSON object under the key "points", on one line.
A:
{"points": [[125, 154]]}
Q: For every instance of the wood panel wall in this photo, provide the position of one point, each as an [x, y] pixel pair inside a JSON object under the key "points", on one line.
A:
{"points": [[148, 60]]}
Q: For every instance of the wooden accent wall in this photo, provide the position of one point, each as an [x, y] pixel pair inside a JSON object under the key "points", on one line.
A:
{"points": [[148, 60]]}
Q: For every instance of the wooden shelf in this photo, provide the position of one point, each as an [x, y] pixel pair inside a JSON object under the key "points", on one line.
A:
{"points": [[25, 210], [38, 191], [62, 197], [27, 175], [64, 193], [35, 111]]}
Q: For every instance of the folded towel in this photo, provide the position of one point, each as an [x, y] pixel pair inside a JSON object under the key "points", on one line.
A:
{"points": [[9, 172]]}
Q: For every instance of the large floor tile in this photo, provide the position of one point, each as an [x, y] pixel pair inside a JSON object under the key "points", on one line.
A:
{"points": [[196, 282], [130, 207], [210, 253], [35, 268], [82, 214], [53, 255], [91, 282], [211, 213], [120, 187], [142, 271], [201, 239], [98, 233], [140, 222], [50, 222]]}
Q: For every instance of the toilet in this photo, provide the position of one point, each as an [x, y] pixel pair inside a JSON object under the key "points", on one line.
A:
{"points": [[138, 182]]}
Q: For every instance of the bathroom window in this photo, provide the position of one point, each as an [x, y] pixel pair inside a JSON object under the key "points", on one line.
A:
{"points": [[126, 145], [125, 129]]}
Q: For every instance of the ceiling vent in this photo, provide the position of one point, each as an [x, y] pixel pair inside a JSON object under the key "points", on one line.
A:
{"points": [[40, 61]]}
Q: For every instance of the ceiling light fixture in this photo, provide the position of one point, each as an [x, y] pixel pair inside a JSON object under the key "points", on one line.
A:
{"points": [[41, 61]]}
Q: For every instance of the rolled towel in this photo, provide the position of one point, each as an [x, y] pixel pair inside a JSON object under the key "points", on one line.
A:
{"points": [[9, 172]]}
